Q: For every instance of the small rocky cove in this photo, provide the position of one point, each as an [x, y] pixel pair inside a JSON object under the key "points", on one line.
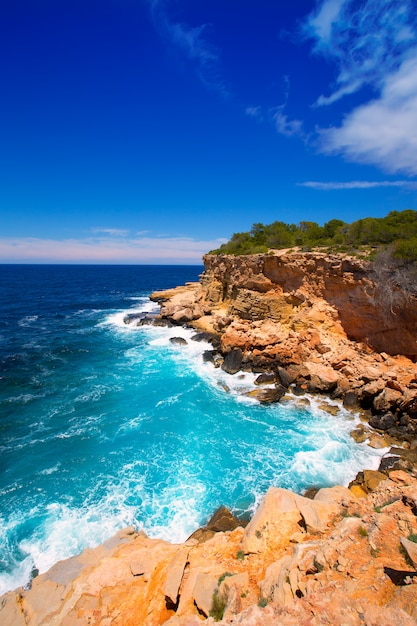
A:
{"points": [[307, 325]]}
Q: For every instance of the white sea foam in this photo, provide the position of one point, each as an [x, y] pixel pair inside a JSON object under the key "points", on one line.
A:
{"points": [[28, 320], [66, 532], [24, 398], [50, 470], [117, 319]]}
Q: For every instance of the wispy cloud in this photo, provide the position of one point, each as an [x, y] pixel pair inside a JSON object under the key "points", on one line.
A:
{"points": [[255, 112], [373, 44], [106, 250], [286, 126], [115, 232], [366, 40], [382, 132], [320, 23], [358, 184], [193, 42]]}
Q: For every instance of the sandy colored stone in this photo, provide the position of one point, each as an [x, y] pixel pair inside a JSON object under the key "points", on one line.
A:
{"points": [[203, 591], [175, 573], [411, 548], [358, 492]]}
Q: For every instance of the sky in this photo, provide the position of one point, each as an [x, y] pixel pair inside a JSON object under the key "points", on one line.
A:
{"points": [[150, 131]]}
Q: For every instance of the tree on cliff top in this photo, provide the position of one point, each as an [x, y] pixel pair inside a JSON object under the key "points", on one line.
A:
{"points": [[397, 231]]}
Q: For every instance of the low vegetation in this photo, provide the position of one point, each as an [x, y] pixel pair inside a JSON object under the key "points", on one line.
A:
{"points": [[396, 232]]}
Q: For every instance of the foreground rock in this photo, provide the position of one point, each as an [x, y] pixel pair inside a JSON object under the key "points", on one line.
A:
{"points": [[334, 559]]}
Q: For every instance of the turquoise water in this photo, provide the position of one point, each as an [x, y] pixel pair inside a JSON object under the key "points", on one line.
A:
{"points": [[104, 425]]}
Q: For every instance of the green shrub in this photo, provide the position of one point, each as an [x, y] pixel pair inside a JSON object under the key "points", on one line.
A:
{"points": [[362, 531], [218, 606], [223, 576]]}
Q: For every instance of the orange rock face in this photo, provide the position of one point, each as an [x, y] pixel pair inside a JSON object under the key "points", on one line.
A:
{"points": [[335, 559], [280, 286]]}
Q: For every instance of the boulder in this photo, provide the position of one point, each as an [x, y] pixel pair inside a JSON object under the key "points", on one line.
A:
{"points": [[282, 514], [276, 587], [175, 573], [322, 377], [285, 377], [223, 520], [382, 422], [231, 591], [183, 316], [411, 548], [204, 588], [387, 399], [207, 337], [179, 341], [351, 400], [232, 361], [268, 396], [266, 378]]}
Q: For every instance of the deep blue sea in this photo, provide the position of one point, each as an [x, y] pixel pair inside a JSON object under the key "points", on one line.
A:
{"points": [[104, 425]]}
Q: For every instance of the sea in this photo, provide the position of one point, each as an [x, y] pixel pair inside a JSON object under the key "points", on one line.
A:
{"points": [[105, 425]]}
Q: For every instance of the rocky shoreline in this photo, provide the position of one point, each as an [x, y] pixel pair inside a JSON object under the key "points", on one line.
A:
{"points": [[347, 556], [304, 323], [309, 323]]}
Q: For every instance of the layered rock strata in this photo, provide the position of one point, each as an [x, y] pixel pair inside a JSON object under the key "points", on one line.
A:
{"points": [[316, 323], [348, 556]]}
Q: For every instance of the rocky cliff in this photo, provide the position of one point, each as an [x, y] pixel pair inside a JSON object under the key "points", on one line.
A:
{"points": [[306, 322], [315, 323], [347, 556], [364, 304]]}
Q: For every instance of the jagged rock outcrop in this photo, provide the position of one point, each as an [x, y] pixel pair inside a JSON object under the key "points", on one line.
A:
{"points": [[318, 323], [278, 286], [334, 559]]}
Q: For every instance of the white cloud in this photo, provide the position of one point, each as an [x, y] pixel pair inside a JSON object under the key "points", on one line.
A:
{"points": [[358, 184], [366, 41], [286, 126], [193, 42], [321, 23], [382, 132], [255, 112], [115, 232], [105, 250]]}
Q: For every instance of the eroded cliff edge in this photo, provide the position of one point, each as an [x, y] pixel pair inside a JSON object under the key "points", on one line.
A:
{"points": [[334, 559]]}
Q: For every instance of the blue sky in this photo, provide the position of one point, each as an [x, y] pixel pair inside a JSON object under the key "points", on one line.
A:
{"points": [[149, 131]]}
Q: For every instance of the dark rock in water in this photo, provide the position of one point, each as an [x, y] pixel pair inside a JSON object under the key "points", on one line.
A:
{"points": [[132, 317], [208, 356], [389, 463], [265, 379], [157, 321], [179, 341], [232, 361], [212, 356], [209, 337], [350, 400], [267, 396], [223, 520], [382, 422], [284, 377], [141, 319]]}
